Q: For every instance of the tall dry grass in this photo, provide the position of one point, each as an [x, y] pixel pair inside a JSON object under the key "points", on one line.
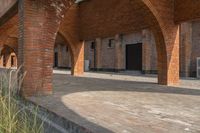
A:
{"points": [[15, 118]]}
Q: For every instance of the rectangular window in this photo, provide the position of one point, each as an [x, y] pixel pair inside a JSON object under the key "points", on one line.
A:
{"points": [[92, 46], [111, 43]]}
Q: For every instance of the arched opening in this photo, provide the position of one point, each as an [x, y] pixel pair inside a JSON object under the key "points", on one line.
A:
{"points": [[38, 49], [101, 94], [138, 16], [8, 57], [62, 54], [166, 33]]}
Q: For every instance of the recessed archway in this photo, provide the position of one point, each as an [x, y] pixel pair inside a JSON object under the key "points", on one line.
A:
{"points": [[150, 13], [62, 54], [8, 57], [142, 14]]}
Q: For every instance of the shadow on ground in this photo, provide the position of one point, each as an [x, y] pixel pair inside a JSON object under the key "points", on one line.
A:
{"points": [[66, 85]]}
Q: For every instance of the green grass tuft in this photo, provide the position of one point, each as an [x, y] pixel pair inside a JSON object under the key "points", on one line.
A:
{"points": [[13, 117]]}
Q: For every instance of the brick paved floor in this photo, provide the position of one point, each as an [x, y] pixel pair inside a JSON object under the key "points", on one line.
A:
{"points": [[125, 103]]}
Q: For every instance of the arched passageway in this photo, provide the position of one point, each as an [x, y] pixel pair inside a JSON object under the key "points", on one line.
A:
{"points": [[76, 51], [63, 17], [166, 33], [138, 15], [8, 57], [62, 54], [38, 49]]}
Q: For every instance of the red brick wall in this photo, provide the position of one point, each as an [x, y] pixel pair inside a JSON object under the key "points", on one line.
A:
{"points": [[9, 30], [97, 19]]}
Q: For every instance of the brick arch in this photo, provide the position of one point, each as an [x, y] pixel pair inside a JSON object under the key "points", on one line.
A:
{"points": [[166, 34], [77, 53], [69, 29], [160, 17], [41, 20], [12, 42], [140, 14], [6, 48], [7, 51], [71, 47], [39, 23], [77, 68]]}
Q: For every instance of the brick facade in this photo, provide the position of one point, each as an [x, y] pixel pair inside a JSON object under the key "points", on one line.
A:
{"points": [[99, 21], [188, 51], [114, 58], [185, 49], [189, 47]]}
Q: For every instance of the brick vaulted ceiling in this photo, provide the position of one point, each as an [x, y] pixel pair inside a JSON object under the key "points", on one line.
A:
{"points": [[115, 16], [108, 17]]}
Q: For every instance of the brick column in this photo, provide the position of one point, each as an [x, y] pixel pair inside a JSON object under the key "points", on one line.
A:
{"points": [[173, 74], [70, 29], [146, 51], [166, 34], [39, 22], [118, 53], [78, 59], [185, 48], [97, 53], [168, 56]]}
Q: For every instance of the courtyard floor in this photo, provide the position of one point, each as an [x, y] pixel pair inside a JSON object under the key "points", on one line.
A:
{"points": [[125, 102]]}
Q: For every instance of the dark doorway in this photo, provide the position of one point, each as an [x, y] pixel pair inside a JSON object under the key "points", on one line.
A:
{"points": [[55, 59], [12, 61], [4, 60], [134, 56]]}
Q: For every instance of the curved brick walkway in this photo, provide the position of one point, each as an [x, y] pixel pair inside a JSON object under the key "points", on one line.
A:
{"points": [[121, 103]]}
